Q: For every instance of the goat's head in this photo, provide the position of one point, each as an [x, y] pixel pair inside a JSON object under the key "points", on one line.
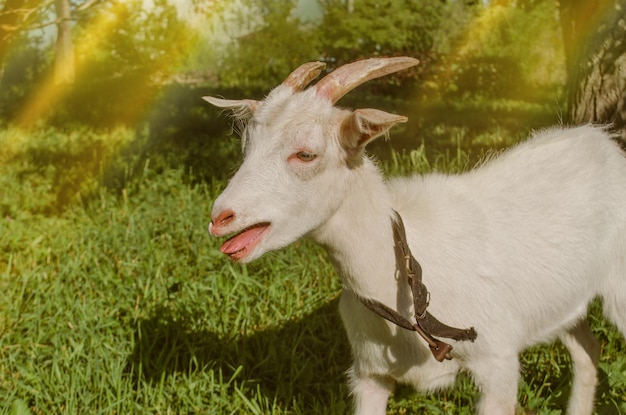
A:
{"points": [[299, 151]]}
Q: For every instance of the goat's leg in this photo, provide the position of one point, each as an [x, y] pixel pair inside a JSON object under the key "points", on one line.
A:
{"points": [[497, 379], [614, 301], [370, 393], [585, 352]]}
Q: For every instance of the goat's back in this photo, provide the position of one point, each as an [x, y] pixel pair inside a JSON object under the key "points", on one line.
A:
{"points": [[526, 240]]}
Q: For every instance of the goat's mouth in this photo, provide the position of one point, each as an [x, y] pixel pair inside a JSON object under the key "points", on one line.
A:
{"points": [[239, 246]]}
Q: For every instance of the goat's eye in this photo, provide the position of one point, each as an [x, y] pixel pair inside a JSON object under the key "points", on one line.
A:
{"points": [[305, 156]]}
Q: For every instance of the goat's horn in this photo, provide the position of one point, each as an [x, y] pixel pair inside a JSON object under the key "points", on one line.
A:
{"points": [[347, 77], [302, 76]]}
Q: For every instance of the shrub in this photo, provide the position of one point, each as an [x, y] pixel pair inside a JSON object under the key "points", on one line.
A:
{"points": [[44, 171]]}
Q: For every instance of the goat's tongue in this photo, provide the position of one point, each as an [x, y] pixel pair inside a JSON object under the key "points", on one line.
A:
{"points": [[242, 240]]}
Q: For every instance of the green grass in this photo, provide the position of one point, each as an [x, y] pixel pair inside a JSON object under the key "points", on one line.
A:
{"points": [[121, 303]]}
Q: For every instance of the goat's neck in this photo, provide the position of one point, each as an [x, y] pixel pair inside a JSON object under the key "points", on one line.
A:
{"points": [[359, 237]]}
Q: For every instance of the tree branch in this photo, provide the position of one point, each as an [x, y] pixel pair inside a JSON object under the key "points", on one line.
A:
{"points": [[29, 11], [21, 15], [86, 5]]}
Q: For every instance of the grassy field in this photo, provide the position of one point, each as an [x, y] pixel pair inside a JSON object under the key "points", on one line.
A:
{"points": [[119, 302]]}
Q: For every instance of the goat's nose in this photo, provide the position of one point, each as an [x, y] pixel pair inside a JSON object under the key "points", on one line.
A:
{"points": [[220, 220]]}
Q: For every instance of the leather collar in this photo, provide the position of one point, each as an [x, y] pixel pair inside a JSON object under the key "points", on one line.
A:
{"points": [[426, 325]]}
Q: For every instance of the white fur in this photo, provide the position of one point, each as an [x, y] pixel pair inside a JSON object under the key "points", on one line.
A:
{"points": [[516, 248]]}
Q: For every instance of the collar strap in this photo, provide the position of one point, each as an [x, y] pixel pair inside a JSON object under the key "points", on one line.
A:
{"points": [[426, 325]]}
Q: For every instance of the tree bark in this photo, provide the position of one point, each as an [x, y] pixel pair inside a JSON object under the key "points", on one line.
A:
{"points": [[64, 53], [594, 34]]}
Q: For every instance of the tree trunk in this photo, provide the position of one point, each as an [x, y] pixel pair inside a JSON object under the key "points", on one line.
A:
{"points": [[64, 54], [594, 33]]}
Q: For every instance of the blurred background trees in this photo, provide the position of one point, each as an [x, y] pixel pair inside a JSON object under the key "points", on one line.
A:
{"points": [[93, 62], [490, 70], [520, 50]]}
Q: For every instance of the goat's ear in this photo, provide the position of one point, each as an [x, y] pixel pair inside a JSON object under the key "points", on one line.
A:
{"points": [[242, 108], [364, 125]]}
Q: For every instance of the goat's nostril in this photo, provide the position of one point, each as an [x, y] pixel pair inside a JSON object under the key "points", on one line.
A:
{"points": [[223, 218]]}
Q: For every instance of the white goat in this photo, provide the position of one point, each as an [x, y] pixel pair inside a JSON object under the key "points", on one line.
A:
{"points": [[516, 248]]}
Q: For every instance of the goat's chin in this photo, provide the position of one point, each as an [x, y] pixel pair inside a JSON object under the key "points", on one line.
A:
{"points": [[245, 258], [249, 255]]}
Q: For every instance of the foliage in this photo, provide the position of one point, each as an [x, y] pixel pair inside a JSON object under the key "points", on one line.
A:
{"points": [[130, 58], [47, 171], [123, 69], [504, 52], [498, 51], [251, 62], [152, 40], [371, 28], [125, 53], [15, 15], [183, 130], [24, 66]]}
